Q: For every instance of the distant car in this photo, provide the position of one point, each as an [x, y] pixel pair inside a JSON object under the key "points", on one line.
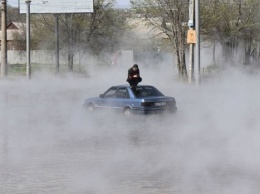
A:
{"points": [[142, 99]]}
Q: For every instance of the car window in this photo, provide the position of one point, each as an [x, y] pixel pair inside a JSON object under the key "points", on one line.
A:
{"points": [[146, 91], [111, 93], [122, 93]]}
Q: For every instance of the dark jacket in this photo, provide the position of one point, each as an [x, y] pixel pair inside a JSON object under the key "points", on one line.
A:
{"points": [[132, 73]]}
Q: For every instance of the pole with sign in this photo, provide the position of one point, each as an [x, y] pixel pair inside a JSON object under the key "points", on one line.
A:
{"points": [[197, 48], [191, 39]]}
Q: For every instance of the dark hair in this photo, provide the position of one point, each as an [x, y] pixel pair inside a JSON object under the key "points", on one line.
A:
{"points": [[135, 65]]}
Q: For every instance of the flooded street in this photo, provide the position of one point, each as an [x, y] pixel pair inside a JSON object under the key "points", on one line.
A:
{"points": [[48, 144]]}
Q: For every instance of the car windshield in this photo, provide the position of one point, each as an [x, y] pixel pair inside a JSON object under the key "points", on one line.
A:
{"points": [[146, 91]]}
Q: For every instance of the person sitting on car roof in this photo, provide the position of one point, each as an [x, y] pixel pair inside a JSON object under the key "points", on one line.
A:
{"points": [[133, 77]]}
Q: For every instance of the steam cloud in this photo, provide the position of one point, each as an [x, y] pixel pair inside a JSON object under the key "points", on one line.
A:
{"points": [[48, 144]]}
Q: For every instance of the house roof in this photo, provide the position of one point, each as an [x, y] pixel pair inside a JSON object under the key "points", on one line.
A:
{"points": [[16, 26], [12, 28]]}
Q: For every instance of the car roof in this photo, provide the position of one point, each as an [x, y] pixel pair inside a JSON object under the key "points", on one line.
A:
{"points": [[128, 86]]}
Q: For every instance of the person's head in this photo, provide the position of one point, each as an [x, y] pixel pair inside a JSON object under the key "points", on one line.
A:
{"points": [[135, 66]]}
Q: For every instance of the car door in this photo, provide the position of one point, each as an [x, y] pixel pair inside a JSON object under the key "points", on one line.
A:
{"points": [[119, 98], [107, 99], [122, 98], [115, 98]]}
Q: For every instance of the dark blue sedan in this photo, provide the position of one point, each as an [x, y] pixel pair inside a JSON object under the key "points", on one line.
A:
{"points": [[142, 99]]}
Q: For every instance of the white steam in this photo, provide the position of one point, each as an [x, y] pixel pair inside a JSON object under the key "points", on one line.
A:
{"points": [[48, 144]]}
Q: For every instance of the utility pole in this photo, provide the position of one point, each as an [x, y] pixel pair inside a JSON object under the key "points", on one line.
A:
{"points": [[191, 29], [57, 42], [197, 27], [4, 41], [28, 37]]}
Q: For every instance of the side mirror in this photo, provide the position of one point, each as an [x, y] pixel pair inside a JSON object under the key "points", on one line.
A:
{"points": [[101, 95]]}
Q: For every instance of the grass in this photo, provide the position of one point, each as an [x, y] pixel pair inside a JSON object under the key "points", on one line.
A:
{"points": [[20, 69], [17, 69]]}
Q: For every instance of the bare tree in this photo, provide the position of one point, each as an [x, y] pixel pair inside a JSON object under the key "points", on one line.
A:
{"points": [[233, 24], [170, 17], [93, 33], [249, 30]]}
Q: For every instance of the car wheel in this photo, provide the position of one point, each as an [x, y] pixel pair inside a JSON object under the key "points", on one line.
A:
{"points": [[127, 112], [91, 107]]}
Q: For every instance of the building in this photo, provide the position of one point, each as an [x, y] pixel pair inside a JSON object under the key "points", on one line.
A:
{"points": [[15, 33]]}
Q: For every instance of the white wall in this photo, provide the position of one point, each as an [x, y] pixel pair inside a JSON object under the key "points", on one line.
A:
{"points": [[43, 57]]}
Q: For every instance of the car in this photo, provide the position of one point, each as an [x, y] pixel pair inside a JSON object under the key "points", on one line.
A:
{"points": [[142, 99]]}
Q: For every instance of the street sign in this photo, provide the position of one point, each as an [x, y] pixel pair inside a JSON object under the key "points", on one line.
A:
{"points": [[191, 38]]}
